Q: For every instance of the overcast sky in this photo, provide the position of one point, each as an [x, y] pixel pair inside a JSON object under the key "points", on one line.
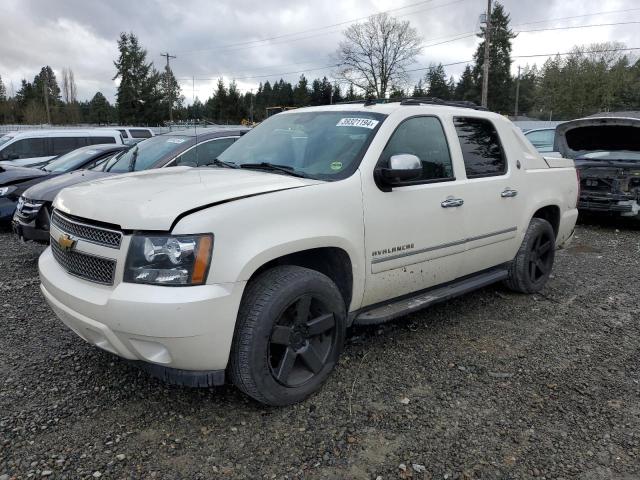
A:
{"points": [[227, 38]]}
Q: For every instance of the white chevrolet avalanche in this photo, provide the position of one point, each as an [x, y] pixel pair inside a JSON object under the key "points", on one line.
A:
{"points": [[318, 219]]}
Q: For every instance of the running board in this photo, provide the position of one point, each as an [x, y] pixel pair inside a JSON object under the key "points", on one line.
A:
{"points": [[404, 306]]}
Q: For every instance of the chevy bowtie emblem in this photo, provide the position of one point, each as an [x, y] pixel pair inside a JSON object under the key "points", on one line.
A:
{"points": [[66, 242]]}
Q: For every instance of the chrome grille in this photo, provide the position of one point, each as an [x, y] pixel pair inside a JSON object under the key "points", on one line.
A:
{"points": [[90, 233], [88, 267], [28, 209]]}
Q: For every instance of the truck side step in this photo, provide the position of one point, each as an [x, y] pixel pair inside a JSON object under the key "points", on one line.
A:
{"points": [[404, 306]]}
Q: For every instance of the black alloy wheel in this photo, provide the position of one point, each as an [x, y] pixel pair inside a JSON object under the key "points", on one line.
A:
{"points": [[541, 256], [289, 334], [301, 341], [532, 266]]}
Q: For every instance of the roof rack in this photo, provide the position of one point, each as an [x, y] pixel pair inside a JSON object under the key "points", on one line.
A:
{"points": [[439, 101], [415, 101]]}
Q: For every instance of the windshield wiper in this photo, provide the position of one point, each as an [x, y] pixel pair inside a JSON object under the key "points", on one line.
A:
{"points": [[221, 163], [134, 159], [274, 168]]}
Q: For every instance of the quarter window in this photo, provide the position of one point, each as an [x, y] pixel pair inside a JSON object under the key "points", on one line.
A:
{"points": [[424, 138], [139, 133], [481, 150]]}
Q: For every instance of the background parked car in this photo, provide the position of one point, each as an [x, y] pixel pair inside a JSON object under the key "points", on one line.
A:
{"points": [[34, 147], [15, 180], [541, 139], [133, 135], [189, 147], [606, 151]]}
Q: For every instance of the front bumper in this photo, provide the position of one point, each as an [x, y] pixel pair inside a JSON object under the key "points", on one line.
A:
{"points": [[7, 207], [29, 231], [184, 332]]}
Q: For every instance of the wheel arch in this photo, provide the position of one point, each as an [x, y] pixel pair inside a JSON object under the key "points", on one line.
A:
{"points": [[550, 213], [333, 261]]}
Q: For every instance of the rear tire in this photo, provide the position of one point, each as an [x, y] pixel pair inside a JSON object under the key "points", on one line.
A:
{"points": [[289, 335], [530, 269]]}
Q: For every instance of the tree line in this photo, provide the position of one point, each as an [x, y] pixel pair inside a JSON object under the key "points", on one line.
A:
{"points": [[589, 79]]}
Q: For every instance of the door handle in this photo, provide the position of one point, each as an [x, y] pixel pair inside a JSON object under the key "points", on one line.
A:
{"points": [[509, 193], [452, 202]]}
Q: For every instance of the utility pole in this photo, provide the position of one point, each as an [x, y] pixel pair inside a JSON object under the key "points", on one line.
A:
{"points": [[45, 88], [487, 54], [251, 108], [515, 113], [168, 69]]}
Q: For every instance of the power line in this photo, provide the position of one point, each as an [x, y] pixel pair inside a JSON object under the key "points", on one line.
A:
{"points": [[606, 12], [577, 26], [251, 43], [305, 31]]}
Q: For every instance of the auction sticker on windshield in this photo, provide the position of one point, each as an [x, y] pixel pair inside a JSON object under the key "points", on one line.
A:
{"points": [[357, 122]]}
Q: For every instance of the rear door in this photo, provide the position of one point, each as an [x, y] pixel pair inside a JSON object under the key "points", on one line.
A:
{"points": [[492, 195], [414, 240]]}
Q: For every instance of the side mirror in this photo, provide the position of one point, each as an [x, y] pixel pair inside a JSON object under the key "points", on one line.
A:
{"points": [[402, 168]]}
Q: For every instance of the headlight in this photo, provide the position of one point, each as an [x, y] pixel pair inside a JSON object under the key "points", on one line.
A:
{"points": [[4, 191], [169, 259]]}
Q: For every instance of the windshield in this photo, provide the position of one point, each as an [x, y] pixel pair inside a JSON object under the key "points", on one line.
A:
{"points": [[146, 153], [70, 161], [324, 145], [5, 138]]}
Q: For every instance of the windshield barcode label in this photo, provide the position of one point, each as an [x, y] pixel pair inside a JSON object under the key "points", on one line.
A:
{"points": [[357, 122]]}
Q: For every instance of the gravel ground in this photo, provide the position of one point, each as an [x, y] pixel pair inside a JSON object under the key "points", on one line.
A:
{"points": [[493, 385]]}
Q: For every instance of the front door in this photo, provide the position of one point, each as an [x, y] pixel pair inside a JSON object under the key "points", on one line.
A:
{"points": [[414, 234]]}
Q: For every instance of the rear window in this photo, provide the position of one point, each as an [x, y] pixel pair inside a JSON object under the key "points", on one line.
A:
{"points": [[481, 149], [139, 133]]}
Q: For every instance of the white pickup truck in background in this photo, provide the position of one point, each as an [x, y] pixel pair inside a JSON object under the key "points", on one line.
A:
{"points": [[317, 219]]}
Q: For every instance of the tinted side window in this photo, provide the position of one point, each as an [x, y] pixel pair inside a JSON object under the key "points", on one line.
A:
{"points": [[424, 138], [98, 140], [139, 133], [481, 149], [26, 148], [63, 145], [123, 133], [205, 153]]}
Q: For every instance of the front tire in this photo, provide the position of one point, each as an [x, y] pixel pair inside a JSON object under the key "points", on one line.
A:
{"points": [[530, 270], [289, 335]]}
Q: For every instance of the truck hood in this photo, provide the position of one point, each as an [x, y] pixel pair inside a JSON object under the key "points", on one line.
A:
{"points": [[10, 175], [153, 199], [48, 189], [578, 138]]}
